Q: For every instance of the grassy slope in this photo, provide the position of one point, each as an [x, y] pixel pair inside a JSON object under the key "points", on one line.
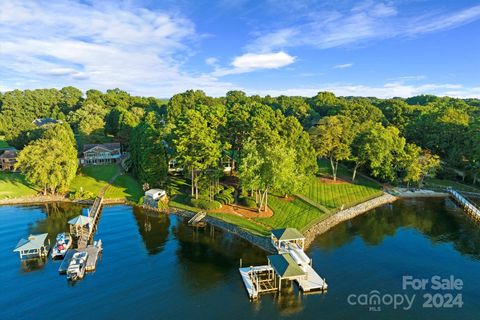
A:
{"points": [[300, 214], [441, 184], [125, 187], [93, 178], [13, 185]]}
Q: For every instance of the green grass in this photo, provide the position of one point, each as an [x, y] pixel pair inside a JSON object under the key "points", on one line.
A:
{"points": [[333, 196], [182, 202], [93, 178], [125, 187], [243, 223], [291, 214], [3, 144], [442, 184], [14, 185]]}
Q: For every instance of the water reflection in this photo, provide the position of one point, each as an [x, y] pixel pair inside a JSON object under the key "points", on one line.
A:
{"points": [[35, 264], [428, 217], [153, 227], [56, 219], [208, 254]]}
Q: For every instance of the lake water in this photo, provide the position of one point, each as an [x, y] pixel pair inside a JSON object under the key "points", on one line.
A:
{"points": [[159, 267]]}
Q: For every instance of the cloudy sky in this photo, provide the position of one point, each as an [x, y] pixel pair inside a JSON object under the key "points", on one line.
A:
{"points": [[158, 48]]}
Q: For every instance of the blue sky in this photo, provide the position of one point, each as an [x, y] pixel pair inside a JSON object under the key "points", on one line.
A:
{"points": [[159, 48]]}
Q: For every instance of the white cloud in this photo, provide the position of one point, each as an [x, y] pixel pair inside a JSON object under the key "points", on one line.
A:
{"points": [[343, 66], [102, 45], [324, 28], [388, 90], [255, 61], [211, 61]]}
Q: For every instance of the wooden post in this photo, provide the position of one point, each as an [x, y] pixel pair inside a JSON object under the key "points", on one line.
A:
{"points": [[240, 262]]}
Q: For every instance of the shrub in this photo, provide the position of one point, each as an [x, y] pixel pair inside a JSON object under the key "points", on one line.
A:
{"points": [[224, 198], [82, 195], [229, 190], [248, 202], [205, 204]]}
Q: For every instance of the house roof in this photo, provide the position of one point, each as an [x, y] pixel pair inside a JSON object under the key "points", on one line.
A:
{"points": [[44, 121], [80, 220], [9, 154], [34, 241], [108, 146], [285, 266], [152, 192], [287, 234]]}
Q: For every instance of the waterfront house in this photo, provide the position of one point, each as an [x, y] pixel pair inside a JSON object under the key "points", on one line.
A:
{"points": [[101, 153], [8, 158], [33, 247], [44, 121]]}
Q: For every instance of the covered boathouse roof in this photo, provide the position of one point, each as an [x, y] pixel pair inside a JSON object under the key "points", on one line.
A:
{"points": [[285, 266], [34, 242], [80, 220], [287, 234]]}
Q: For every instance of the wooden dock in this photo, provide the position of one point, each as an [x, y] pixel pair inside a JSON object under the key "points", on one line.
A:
{"points": [[94, 215], [93, 251], [312, 281], [467, 206]]}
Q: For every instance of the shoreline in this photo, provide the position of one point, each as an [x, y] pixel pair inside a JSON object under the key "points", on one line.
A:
{"points": [[345, 215], [262, 242]]}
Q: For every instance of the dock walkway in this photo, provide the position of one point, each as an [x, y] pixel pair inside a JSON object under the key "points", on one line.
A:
{"points": [[469, 208]]}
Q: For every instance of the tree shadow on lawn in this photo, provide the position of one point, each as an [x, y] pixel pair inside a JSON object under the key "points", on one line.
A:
{"points": [[16, 180]]}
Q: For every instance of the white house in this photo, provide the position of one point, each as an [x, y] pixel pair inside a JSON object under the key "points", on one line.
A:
{"points": [[155, 194]]}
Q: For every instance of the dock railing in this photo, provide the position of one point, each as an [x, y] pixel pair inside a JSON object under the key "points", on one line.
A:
{"points": [[469, 207]]}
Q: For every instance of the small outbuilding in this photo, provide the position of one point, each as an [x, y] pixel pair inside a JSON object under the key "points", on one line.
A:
{"points": [[155, 194], [80, 225], [281, 237], [33, 247]]}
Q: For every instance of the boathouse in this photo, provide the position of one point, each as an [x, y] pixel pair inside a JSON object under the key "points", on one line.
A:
{"points": [[33, 247], [285, 268]]}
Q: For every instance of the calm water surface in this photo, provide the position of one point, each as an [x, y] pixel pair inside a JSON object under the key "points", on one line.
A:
{"points": [[159, 267]]}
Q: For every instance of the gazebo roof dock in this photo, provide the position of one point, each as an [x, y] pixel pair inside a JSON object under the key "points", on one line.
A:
{"points": [[33, 247], [291, 263], [281, 237]]}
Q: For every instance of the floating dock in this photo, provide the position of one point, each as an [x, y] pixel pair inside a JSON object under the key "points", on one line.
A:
{"points": [[92, 258], [252, 282]]}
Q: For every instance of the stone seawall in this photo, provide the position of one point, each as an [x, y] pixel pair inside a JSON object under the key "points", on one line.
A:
{"points": [[259, 241], [344, 215]]}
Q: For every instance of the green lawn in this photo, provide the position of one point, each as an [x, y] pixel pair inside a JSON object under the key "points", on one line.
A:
{"points": [[442, 184], [291, 213], [13, 185], [243, 223], [93, 178], [125, 187], [3, 144], [333, 196]]}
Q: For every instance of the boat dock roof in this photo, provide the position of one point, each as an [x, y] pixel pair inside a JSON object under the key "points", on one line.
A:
{"points": [[34, 242]]}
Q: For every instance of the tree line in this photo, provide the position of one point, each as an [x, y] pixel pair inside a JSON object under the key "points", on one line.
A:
{"points": [[271, 143]]}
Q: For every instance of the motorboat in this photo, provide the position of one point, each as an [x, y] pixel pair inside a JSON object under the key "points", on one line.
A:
{"points": [[64, 242], [76, 268]]}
